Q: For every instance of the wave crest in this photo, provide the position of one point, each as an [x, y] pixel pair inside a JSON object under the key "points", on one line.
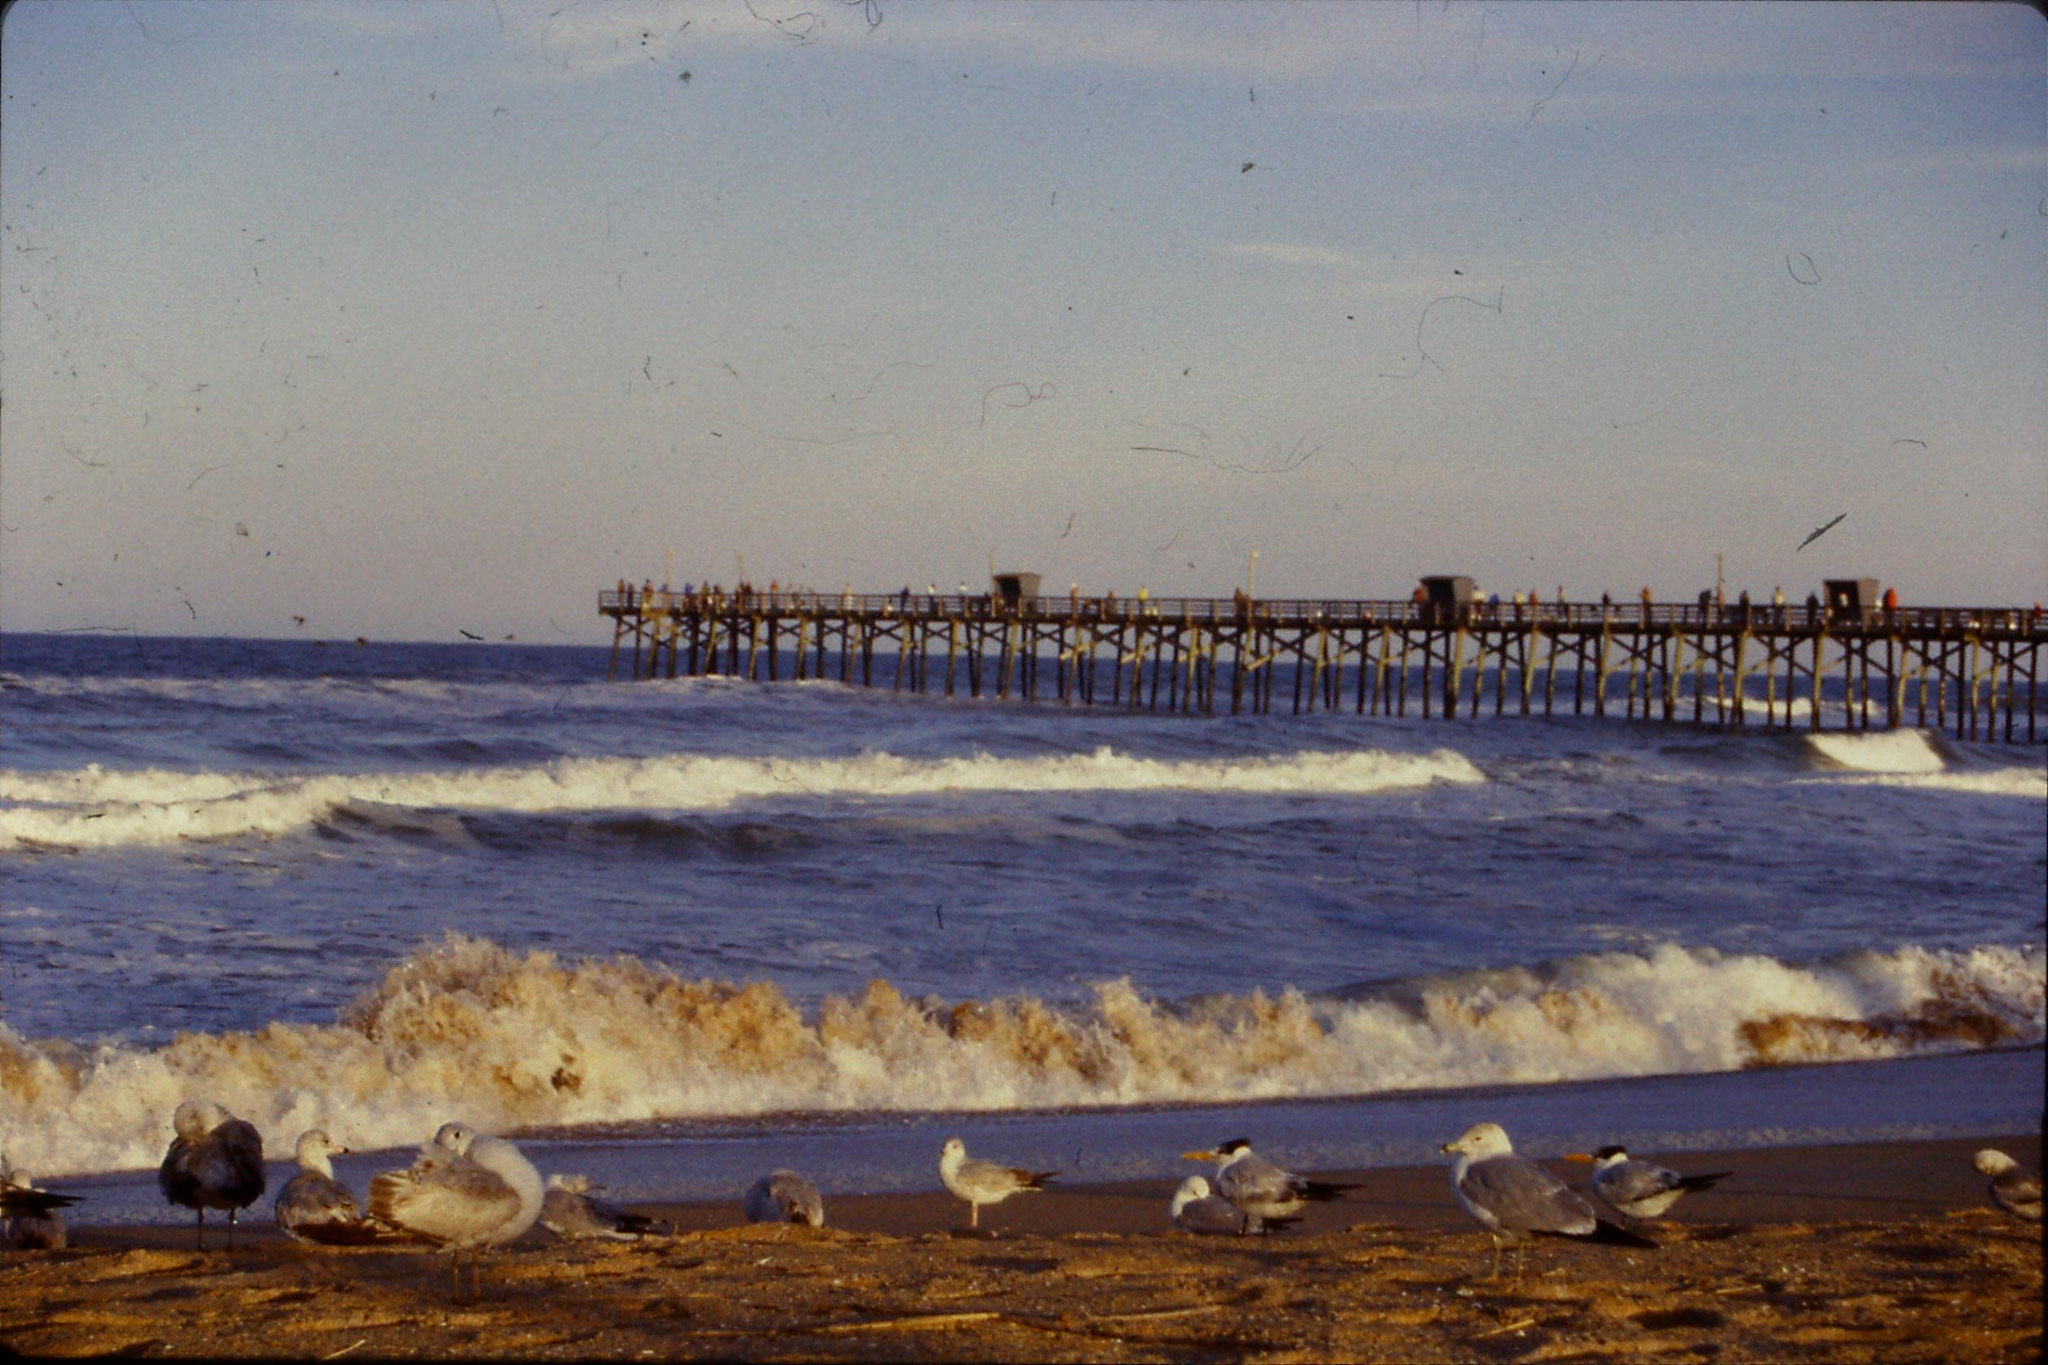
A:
{"points": [[508, 1040], [94, 808]]}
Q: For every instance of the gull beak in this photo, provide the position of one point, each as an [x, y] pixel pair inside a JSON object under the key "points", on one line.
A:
{"points": [[1448, 1147], [1201, 1156]]}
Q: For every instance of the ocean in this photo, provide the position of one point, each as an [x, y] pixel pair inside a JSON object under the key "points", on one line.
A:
{"points": [[677, 931]]}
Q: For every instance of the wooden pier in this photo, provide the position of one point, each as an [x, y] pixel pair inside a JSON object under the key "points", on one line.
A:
{"points": [[1970, 672]]}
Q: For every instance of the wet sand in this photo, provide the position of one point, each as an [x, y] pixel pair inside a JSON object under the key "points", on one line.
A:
{"points": [[1876, 1252]]}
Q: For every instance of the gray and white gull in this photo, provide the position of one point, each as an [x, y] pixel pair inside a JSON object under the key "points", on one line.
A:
{"points": [[783, 1196], [465, 1193], [1261, 1189], [573, 1213], [983, 1182], [30, 1216], [1641, 1189], [316, 1208], [2013, 1187], [1195, 1209], [1514, 1199], [214, 1162]]}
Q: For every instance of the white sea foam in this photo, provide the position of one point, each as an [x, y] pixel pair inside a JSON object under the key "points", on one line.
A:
{"points": [[510, 1040], [95, 808], [2021, 782], [1880, 751]]}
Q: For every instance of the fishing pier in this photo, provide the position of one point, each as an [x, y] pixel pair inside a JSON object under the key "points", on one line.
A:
{"points": [[1970, 672]]}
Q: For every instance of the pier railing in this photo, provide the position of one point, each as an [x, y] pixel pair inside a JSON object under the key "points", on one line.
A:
{"points": [[1972, 670]]}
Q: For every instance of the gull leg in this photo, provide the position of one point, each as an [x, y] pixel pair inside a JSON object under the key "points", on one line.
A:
{"points": [[231, 1229], [973, 1214], [202, 1229]]}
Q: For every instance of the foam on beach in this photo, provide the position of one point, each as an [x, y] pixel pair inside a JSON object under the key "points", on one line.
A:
{"points": [[507, 1040]]}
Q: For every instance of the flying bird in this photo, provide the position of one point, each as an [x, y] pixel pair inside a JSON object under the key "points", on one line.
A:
{"points": [[215, 1162], [1641, 1189], [1818, 532], [471, 635], [1258, 1188]]}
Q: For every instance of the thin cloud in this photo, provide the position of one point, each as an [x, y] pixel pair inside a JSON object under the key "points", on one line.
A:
{"points": [[1291, 253]]}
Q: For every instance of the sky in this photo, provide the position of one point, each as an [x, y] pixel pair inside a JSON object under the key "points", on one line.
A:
{"points": [[403, 320]]}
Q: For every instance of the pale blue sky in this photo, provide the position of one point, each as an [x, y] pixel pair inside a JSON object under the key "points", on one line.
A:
{"points": [[417, 318]]}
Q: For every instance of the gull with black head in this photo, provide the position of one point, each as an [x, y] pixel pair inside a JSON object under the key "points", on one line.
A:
{"points": [[1641, 1189], [1261, 1189]]}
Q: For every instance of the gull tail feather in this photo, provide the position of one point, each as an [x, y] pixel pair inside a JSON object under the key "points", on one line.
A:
{"points": [[1326, 1189]]}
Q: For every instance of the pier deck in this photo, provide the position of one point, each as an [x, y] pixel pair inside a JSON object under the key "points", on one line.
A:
{"points": [[1972, 672]]}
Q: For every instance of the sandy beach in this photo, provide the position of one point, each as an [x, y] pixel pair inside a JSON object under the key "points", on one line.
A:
{"points": [[1878, 1252]]}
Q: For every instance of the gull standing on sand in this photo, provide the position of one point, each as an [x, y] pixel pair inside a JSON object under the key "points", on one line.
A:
{"points": [[215, 1162], [983, 1182], [1641, 1189], [1513, 1198], [29, 1217], [783, 1196], [313, 1206], [570, 1211], [464, 1192], [1198, 1211], [2014, 1188], [1259, 1188]]}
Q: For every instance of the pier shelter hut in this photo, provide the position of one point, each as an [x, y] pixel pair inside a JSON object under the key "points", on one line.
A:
{"points": [[1016, 588], [1852, 601], [1447, 599]]}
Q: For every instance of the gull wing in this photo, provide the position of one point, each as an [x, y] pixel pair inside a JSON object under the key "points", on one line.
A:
{"points": [[1524, 1197]]}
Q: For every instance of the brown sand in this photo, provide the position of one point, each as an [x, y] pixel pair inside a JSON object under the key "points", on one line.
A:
{"points": [[1882, 1252]]}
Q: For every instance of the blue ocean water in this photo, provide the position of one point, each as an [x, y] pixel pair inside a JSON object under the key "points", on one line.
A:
{"points": [[373, 886]]}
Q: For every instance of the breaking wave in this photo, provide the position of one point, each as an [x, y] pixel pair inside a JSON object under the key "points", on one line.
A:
{"points": [[1916, 759], [510, 1040], [95, 808], [1885, 751]]}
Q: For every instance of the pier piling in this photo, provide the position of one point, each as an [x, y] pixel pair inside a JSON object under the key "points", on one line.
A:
{"points": [[1970, 672]]}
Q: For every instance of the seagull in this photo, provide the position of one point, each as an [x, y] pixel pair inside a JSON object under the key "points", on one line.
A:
{"points": [[983, 1182], [569, 1211], [29, 1217], [1513, 1198], [1198, 1211], [2014, 1188], [313, 1206], [785, 1197], [215, 1162], [464, 1192], [1817, 533], [1259, 1188], [1640, 1189]]}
